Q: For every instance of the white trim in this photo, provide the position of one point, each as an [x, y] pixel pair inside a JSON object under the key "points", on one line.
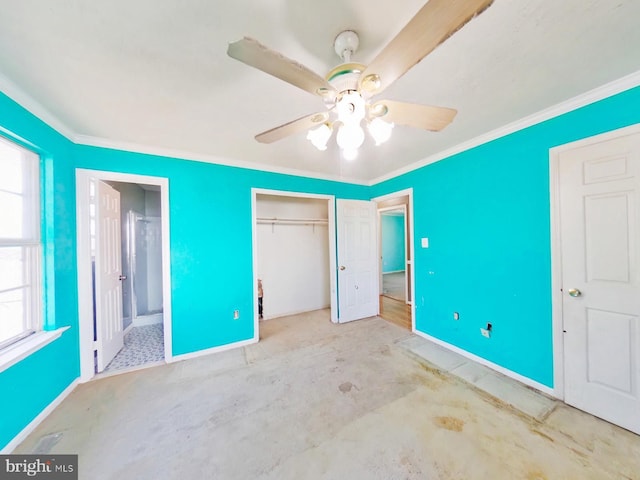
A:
{"points": [[557, 323], [556, 246], [333, 259], [599, 93], [85, 309], [209, 351], [207, 158], [331, 224], [33, 424], [409, 193], [27, 102], [254, 266], [144, 320], [120, 371], [579, 101], [20, 350], [295, 312], [505, 371], [602, 137]]}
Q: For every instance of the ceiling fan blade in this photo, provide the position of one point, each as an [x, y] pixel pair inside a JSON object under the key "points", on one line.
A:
{"points": [[304, 123], [412, 114], [254, 54], [432, 25]]}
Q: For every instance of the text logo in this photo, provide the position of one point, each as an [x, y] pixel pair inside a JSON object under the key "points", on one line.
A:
{"points": [[50, 467]]}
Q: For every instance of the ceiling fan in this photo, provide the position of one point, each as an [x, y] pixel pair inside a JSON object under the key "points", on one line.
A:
{"points": [[347, 90]]}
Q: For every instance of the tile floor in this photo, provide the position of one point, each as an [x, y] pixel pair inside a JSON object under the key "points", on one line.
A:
{"points": [[142, 345]]}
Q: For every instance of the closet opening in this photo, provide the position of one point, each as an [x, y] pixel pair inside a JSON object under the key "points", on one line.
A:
{"points": [[293, 259]]}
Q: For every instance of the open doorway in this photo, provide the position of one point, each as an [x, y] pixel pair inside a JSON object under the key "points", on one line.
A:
{"points": [[123, 271], [293, 255], [395, 258], [393, 247], [141, 277]]}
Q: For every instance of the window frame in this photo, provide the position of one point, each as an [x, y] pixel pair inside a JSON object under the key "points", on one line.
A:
{"points": [[30, 242]]}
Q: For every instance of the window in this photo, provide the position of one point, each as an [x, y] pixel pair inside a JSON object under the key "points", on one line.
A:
{"points": [[20, 250]]}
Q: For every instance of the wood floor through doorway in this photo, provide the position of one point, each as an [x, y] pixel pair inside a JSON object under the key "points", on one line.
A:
{"points": [[395, 311]]}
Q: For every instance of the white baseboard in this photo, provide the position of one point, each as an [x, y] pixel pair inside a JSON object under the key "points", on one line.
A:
{"points": [[209, 351], [145, 320], [483, 361], [18, 439], [296, 312]]}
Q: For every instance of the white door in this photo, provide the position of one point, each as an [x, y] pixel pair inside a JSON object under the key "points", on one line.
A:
{"points": [[357, 260], [600, 227], [108, 269]]}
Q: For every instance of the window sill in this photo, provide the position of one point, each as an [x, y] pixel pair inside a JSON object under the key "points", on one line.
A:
{"points": [[22, 349]]}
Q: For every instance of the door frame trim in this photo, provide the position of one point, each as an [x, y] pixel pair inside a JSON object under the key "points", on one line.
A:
{"points": [[556, 247], [331, 224], [85, 290], [409, 217]]}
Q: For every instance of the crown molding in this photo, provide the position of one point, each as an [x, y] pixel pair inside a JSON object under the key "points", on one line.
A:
{"points": [[599, 93], [18, 95], [15, 93], [199, 157]]}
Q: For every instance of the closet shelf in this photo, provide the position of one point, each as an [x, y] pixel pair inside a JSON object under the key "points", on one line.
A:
{"points": [[292, 221]]}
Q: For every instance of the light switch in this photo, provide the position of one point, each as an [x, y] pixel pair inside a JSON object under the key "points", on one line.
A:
{"points": [[425, 242]]}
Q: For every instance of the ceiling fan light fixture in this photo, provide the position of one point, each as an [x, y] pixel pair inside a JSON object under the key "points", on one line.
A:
{"points": [[350, 136], [371, 83], [320, 136], [350, 108], [380, 130]]}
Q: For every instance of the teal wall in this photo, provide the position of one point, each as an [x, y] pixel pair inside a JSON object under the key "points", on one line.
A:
{"points": [[393, 243], [211, 254], [486, 214], [211, 248], [29, 386]]}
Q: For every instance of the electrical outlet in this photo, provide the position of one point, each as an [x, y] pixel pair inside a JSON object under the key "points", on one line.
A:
{"points": [[456, 316], [236, 314], [486, 332]]}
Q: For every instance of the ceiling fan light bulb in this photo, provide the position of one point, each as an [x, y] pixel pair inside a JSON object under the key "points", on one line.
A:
{"points": [[319, 136], [350, 136], [380, 130]]}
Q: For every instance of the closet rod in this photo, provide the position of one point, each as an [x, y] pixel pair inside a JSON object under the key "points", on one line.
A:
{"points": [[315, 221]]}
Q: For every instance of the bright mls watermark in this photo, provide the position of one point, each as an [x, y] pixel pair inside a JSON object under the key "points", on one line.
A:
{"points": [[51, 467]]}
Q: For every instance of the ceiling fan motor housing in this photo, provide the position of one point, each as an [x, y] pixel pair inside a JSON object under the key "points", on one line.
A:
{"points": [[345, 77]]}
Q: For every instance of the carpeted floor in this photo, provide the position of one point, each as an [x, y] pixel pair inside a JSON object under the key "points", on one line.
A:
{"points": [[316, 400]]}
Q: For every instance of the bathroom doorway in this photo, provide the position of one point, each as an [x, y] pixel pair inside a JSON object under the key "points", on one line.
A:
{"points": [[141, 259], [141, 315]]}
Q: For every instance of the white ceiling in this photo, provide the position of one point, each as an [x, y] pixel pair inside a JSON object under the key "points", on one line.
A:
{"points": [[155, 74]]}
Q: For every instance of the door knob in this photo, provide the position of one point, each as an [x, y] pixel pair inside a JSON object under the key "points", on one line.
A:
{"points": [[342, 267], [122, 277], [574, 292]]}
